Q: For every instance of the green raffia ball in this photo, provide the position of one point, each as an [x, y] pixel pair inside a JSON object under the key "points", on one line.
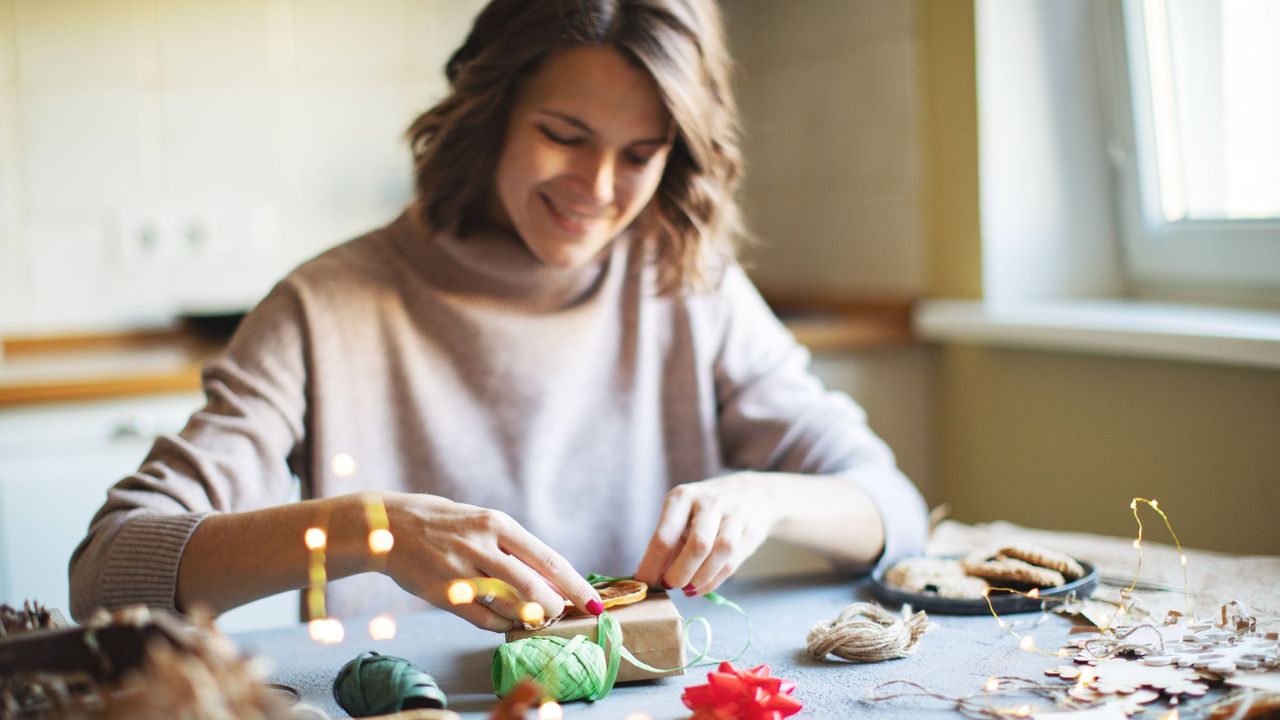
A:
{"points": [[376, 684], [567, 669]]}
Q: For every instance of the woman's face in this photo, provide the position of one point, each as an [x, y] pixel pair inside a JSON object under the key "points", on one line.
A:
{"points": [[585, 149]]}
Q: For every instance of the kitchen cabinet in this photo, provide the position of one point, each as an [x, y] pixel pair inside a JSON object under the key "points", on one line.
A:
{"points": [[56, 464]]}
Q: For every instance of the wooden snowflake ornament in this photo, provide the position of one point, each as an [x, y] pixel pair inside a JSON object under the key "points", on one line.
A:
{"points": [[1116, 676]]}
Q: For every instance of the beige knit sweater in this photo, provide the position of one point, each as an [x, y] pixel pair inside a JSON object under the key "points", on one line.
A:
{"points": [[572, 399]]}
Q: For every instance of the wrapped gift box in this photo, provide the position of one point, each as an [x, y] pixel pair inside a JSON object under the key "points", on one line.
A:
{"points": [[652, 630]]}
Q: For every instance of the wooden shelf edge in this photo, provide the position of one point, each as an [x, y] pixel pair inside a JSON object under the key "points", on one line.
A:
{"points": [[105, 388], [16, 345], [825, 322]]}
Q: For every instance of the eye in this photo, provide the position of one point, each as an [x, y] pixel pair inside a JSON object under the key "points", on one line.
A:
{"points": [[639, 159], [557, 138]]}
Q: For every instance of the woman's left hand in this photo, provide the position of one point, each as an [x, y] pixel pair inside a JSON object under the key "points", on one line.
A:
{"points": [[707, 529]]}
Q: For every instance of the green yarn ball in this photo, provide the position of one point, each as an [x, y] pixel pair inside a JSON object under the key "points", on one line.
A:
{"points": [[567, 669], [376, 684]]}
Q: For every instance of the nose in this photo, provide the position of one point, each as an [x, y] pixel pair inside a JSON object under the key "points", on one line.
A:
{"points": [[596, 175]]}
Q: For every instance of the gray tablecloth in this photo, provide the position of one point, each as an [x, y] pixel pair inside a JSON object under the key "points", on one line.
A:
{"points": [[954, 658]]}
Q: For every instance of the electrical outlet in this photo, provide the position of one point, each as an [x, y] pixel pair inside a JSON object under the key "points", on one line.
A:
{"points": [[139, 236], [195, 236]]}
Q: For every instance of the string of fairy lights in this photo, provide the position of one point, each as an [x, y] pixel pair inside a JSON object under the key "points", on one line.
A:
{"points": [[1027, 642], [325, 629]]}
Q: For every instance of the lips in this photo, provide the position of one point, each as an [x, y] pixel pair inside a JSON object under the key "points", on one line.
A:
{"points": [[568, 220]]}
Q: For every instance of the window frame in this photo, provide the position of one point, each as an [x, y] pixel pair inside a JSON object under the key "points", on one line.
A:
{"points": [[1225, 260]]}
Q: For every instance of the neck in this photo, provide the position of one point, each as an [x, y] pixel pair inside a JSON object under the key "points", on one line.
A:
{"points": [[495, 264]]}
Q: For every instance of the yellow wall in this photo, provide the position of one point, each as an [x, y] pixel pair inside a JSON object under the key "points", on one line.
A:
{"points": [[948, 58], [1062, 440]]}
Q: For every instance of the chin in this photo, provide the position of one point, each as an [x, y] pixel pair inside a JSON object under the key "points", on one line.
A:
{"points": [[559, 254]]}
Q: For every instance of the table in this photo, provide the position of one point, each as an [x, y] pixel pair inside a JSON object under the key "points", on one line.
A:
{"points": [[954, 658]]}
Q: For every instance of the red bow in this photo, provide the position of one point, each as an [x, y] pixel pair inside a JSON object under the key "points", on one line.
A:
{"points": [[741, 695]]}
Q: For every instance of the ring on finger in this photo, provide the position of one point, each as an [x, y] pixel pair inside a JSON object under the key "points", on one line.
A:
{"points": [[487, 599]]}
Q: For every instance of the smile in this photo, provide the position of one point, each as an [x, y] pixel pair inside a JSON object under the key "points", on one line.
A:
{"points": [[568, 220]]}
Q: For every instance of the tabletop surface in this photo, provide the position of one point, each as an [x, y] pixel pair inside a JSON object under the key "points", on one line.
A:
{"points": [[954, 658]]}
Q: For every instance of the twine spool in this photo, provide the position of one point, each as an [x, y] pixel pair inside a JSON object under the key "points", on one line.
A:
{"points": [[567, 669], [375, 684], [865, 632]]}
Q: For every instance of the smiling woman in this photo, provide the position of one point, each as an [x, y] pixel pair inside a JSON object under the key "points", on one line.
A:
{"points": [[549, 364], [640, 89]]}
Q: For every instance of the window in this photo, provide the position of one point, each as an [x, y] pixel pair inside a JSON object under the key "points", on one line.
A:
{"points": [[1196, 143]]}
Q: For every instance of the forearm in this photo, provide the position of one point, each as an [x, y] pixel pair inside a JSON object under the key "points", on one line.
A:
{"points": [[235, 558], [826, 513]]}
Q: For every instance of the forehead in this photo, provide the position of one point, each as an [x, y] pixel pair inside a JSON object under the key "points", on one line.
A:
{"points": [[599, 86]]}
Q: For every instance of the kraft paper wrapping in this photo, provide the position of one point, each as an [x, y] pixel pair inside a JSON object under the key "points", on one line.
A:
{"points": [[652, 630]]}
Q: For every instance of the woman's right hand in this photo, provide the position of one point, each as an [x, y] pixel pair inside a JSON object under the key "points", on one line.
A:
{"points": [[438, 541]]}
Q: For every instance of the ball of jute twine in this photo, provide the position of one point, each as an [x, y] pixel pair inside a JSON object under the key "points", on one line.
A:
{"points": [[866, 632]]}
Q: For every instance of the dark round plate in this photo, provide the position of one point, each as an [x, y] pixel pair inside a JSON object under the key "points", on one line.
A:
{"points": [[1004, 603]]}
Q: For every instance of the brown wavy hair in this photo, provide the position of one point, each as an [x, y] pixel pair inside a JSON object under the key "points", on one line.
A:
{"points": [[693, 218]]}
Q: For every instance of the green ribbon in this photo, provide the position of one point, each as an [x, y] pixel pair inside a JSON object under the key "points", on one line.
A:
{"points": [[375, 684], [579, 669]]}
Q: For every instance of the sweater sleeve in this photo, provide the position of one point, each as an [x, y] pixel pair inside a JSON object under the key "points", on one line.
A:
{"points": [[234, 454], [775, 415]]}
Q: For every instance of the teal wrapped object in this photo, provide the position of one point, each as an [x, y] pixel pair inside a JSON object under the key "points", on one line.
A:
{"points": [[376, 684]]}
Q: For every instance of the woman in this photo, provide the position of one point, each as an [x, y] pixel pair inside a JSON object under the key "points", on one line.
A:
{"points": [[549, 365]]}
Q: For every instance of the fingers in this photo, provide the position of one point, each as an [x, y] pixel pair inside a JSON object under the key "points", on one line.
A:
{"points": [[723, 556], [531, 587], [666, 540], [725, 573], [535, 554], [482, 617], [699, 542]]}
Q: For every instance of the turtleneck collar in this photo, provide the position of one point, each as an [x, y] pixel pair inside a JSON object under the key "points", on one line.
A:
{"points": [[497, 266]]}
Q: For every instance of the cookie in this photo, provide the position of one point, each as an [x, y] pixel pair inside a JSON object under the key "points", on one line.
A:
{"points": [[1045, 558], [934, 576], [1011, 570]]}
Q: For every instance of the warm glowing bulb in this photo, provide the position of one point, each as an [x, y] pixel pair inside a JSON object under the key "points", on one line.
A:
{"points": [[532, 613], [1027, 643], [1087, 675], [1183, 558], [550, 710], [1064, 652], [1023, 711], [1173, 715], [1035, 593], [380, 541], [993, 684], [382, 627], [1133, 504], [461, 592], [1155, 504], [326, 630], [344, 465], [986, 591], [1003, 625], [315, 538], [1137, 544]]}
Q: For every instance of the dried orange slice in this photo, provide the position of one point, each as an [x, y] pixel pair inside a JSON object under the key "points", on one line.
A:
{"points": [[615, 593], [621, 592]]}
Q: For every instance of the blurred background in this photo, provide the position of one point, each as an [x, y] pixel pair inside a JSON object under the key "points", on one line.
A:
{"points": [[1036, 239]]}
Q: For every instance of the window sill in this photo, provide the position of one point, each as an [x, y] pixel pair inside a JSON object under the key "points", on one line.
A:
{"points": [[1109, 327]]}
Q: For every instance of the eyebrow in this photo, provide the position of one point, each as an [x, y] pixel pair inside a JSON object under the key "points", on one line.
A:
{"points": [[587, 128]]}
